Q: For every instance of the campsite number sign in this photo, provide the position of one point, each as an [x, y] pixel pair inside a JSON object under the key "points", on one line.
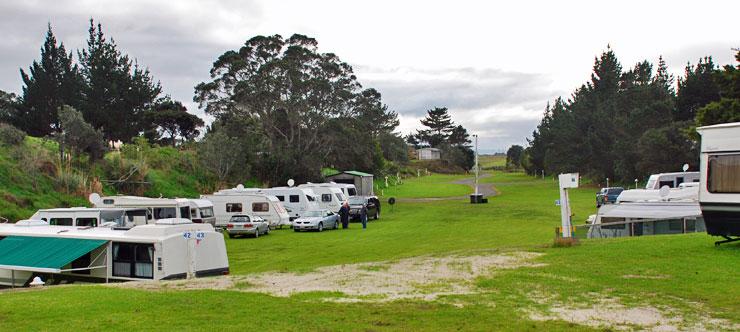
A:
{"points": [[187, 235], [200, 235]]}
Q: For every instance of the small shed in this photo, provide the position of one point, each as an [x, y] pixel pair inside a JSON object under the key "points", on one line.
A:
{"points": [[363, 181], [428, 154]]}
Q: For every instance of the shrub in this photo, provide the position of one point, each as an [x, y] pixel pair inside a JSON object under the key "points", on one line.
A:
{"points": [[11, 135]]}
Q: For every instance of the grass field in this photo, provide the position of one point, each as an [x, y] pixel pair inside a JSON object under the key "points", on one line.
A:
{"points": [[681, 275]]}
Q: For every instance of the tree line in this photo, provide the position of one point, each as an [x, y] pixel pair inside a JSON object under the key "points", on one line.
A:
{"points": [[441, 132], [628, 124]]}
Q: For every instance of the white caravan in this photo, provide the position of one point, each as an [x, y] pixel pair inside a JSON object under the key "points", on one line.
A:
{"points": [[672, 180], [719, 194], [328, 195], [347, 189], [199, 211], [295, 200], [93, 217], [168, 249], [229, 202]]}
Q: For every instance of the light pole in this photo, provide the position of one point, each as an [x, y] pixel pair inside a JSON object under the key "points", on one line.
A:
{"points": [[476, 164]]}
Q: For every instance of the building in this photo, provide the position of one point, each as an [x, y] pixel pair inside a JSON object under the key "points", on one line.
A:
{"points": [[428, 154], [362, 181]]}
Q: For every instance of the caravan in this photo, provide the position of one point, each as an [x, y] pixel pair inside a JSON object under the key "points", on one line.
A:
{"points": [[65, 254], [199, 211], [93, 217], [719, 193], [238, 201], [296, 200], [328, 195], [672, 180]]}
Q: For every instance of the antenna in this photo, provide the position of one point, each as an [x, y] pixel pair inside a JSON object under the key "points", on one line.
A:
{"points": [[94, 198], [291, 182]]}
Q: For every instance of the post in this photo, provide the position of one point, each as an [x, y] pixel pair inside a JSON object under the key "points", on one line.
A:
{"points": [[635, 183], [566, 181], [476, 164], [543, 174], [191, 256], [12, 278], [607, 182]]}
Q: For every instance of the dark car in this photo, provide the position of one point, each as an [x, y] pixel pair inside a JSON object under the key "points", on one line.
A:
{"points": [[372, 203], [608, 195]]}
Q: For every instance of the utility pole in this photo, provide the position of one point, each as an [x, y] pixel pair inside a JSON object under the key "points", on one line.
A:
{"points": [[476, 164]]}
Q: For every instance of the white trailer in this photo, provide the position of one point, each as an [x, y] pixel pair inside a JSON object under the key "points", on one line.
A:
{"points": [[230, 202], [168, 249], [672, 180], [328, 195], [93, 217], [296, 200], [199, 211], [719, 194]]}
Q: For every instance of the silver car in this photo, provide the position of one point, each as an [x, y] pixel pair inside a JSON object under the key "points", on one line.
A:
{"points": [[316, 220], [247, 225]]}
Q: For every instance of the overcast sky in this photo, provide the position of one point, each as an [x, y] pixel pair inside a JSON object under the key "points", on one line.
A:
{"points": [[494, 65]]}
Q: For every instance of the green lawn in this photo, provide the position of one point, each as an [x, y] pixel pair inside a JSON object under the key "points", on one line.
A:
{"points": [[435, 185], [683, 272]]}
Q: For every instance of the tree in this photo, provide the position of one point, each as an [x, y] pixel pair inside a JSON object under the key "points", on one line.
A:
{"points": [[727, 108], [440, 126], [666, 149], [696, 89], [8, 107], [117, 92], [514, 156], [459, 136], [373, 114], [220, 154], [50, 83], [170, 120], [78, 135]]}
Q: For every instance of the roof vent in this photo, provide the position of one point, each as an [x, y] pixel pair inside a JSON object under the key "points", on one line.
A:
{"points": [[31, 222], [173, 221]]}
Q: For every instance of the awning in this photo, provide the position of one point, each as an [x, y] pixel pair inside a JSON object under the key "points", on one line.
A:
{"points": [[43, 254], [650, 211]]}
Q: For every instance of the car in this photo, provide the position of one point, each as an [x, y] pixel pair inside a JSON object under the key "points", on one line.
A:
{"points": [[608, 195], [317, 220], [242, 224], [372, 203]]}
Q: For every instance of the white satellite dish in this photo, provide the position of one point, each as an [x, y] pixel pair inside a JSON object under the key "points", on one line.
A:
{"points": [[685, 167], [664, 191], [240, 187], [291, 182], [94, 198]]}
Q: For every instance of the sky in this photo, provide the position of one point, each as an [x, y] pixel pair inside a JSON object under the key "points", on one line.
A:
{"points": [[495, 65]]}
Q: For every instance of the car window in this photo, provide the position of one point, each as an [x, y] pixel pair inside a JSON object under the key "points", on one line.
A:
{"points": [[313, 214], [356, 200], [240, 219]]}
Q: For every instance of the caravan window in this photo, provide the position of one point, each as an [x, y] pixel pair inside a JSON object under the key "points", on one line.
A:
{"points": [[339, 197], [206, 212], [294, 198], [185, 212], [724, 174], [351, 192], [233, 207], [260, 207], [133, 260], [60, 221], [326, 197], [164, 213], [87, 222], [281, 198]]}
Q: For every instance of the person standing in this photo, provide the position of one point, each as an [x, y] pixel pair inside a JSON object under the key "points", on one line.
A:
{"points": [[344, 215], [363, 216]]}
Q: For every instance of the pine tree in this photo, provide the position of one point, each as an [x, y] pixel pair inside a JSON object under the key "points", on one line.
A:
{"points": [[50, 83], [440, 126]]}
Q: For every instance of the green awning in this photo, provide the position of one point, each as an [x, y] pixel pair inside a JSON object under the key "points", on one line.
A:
{"points": [[43, 254]]}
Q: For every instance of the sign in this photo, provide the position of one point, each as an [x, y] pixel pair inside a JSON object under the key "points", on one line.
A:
{"points": [[200, 235], [187, 235]]}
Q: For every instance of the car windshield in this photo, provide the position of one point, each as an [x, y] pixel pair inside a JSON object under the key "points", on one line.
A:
{"points": [[614, 191], [356, 200], [314, 214], [239, 219]]}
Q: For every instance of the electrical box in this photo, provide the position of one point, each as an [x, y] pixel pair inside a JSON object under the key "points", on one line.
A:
{"points": [[568, 180]]}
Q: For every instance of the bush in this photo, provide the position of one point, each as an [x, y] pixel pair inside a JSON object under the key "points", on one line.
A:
{"points": [[11, 135]]}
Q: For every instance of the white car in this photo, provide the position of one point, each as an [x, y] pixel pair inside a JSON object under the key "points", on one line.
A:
{"points": [[316, 220], [243, 225]]}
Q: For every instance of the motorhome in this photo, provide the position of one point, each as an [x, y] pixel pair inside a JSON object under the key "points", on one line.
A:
{"points": [[199, 211], [329, 196], [167, 249], [719, 194], [672, 180], [93, 217], [230, 202], [295, 200]]}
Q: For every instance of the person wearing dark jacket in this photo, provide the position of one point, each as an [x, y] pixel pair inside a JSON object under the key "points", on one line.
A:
{"points": [[363, 216], [344, 215]]}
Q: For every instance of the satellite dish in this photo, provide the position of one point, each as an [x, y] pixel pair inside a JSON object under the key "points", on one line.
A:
{"points": [[685, 167], [240, 187], [94, 198], [664, 191], [291, 182]]}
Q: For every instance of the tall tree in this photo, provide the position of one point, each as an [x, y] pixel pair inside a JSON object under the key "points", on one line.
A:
{"points": [[459, 136], [440, 125], [696, 89], [514, 156], [373, 114], [117, 91], [50, 83], [727, 108], [8, 107], [171, 120]]}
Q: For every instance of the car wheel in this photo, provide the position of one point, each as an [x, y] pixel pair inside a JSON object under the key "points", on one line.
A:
{"points": [[377, 214], [321, 227], [257, 233], [267, 231], [336, 224], [295, 230], [231, 236]]}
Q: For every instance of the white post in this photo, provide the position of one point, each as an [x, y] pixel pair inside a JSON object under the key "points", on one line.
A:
{"points": [[191, 256], [566, 181], [476, 164], [607, 182]]}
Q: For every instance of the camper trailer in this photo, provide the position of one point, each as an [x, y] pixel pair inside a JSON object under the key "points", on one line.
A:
{"points": [[295, 200], [719, 193], [168, 249], [646, 218], [328, 195], [93, 217], [230, 202], [672, 180], [199, 211]]}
